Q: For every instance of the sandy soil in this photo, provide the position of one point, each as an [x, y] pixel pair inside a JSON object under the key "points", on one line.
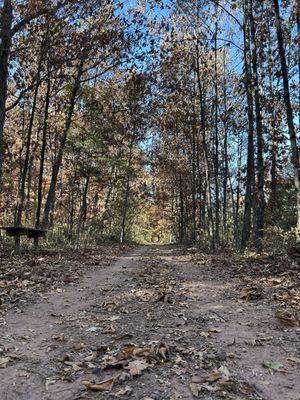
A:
{"points": [[153, 325]]}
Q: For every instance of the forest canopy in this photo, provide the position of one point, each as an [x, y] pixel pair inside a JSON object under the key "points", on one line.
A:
{"points": [[151, 120]]}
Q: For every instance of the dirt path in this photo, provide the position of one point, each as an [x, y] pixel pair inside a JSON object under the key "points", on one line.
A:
{"points": [[151, 326]]}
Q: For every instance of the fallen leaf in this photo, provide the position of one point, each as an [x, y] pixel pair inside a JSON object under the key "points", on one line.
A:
{"points": [[122, 392], [214, 376], [137, 367], [49, 381], [4, 361], [215, 330], [224, 371], [93, 329], [295, 360], [106, 385], [194, 389], [272, 365], [109, 329], [286, 318]]}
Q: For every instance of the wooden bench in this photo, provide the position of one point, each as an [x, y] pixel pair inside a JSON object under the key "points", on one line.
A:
{"points": [[18, 231]]}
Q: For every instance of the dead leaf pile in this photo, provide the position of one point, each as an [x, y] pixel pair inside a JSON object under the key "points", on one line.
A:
{"points": [[289, 318], [23, 277], [136, 359], [252, 293], [218, 380], [133, 360], [157, 284]]}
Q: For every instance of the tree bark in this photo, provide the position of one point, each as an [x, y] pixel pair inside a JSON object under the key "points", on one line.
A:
{"points": [[5, 46], [83, 209], [28, 145], [226, 166], [289, 110], [216, 144], [194, 205], [43, 152], [259, 195], [205, 151], [58, 161], [126, 195], [250, 178], [42, 158]]}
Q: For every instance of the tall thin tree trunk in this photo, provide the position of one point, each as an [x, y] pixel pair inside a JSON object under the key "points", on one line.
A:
{"points": [[126, 194], [194, 205], [238, 192], [205, 151], [260, 196], [289, 110], [42, 157], [83, 209], [250, 178], [298, 37], [273, 200], [58, 161], [226, 166], [182, 227], [216, 143], [5, 46], [28, 145], [43, 153]]}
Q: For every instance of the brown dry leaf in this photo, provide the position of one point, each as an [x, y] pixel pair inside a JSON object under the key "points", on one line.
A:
{"points": [[286, 318], [131, 351], [194, 389], [79, 346], [76, 366], [218, 374], [90, 357], [215, 330], [60, 338], [205, 334], [209, 388], [124, 391], [109, 329], [137, 367], [295, 360], [142, 352], [251, 293], [163, 351], [214, 376], [224, 371], [4, 361], [103, 386]]}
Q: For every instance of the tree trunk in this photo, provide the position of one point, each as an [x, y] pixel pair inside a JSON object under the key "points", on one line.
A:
{"points": [[83, 209], [182, 227], [298, 37], [289, 111], [58, 161], [216, 144], [250, 178], [194, 205], [260, 196], [5, 46], [42, 159], [43, 153], [226, 166], [126, 196], [28, 145], [205, 151]]}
